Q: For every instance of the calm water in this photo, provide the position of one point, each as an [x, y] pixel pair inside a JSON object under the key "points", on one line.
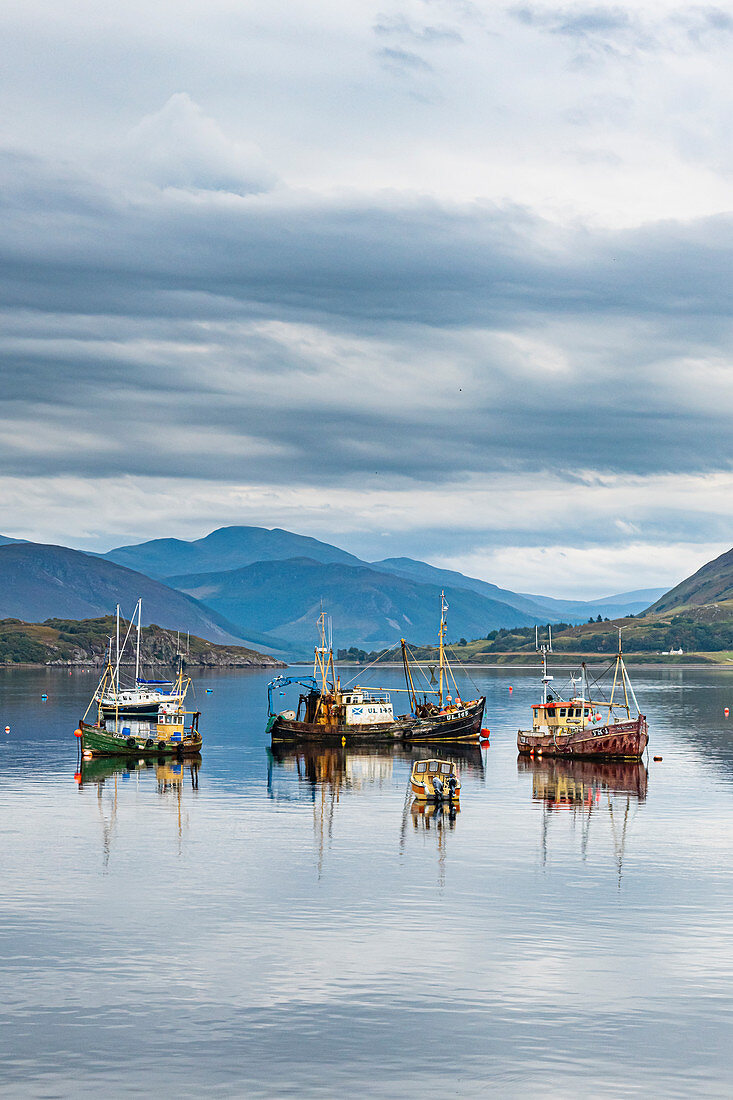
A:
{"points": [[290, 926]]}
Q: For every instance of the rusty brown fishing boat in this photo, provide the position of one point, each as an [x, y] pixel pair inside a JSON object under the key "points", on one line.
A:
{"points": [[577, 727]]}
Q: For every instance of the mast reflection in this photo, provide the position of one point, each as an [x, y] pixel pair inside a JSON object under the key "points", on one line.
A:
{"points": [[321, 774], [588, 789], [110, 776]]}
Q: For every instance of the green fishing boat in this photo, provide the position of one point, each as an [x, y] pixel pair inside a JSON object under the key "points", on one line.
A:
{"points": [[173, 731]]}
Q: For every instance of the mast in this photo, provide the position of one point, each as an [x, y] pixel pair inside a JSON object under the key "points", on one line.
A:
{"points": [[619, 665], [408, 676], [323, 658], [117, 661], [443, 609], [137, 651]]}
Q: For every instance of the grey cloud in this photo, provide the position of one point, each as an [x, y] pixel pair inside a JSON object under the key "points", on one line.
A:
{"points": [[399, 27], [389, 260], [615, 31], [399, 61], [162, 337], [704, 26]]}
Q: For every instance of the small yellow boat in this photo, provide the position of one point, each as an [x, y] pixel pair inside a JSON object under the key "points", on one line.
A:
{"points": [[435, 781]]}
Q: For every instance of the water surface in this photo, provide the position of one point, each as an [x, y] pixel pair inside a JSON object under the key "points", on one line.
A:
{"points": [[289, 924]]}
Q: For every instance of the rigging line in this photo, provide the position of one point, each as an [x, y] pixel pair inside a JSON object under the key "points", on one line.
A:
{"points": [[464, 669], [450, 670], [361, 671], [419, 668]]}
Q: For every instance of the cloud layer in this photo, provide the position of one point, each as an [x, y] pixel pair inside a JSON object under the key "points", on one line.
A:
{"points": [[285, 307]]}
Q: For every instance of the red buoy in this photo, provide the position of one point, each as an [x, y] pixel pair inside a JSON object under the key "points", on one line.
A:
{"points": [[726, 712], [78, 733], [511, 689], [7, 729]]}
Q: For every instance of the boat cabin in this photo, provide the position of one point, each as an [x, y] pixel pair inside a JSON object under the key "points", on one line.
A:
{"points": [[349, 708], [435, 779], [556, 715]]}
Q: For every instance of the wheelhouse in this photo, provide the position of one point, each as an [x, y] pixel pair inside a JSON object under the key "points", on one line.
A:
{"points": [[557, 714]]}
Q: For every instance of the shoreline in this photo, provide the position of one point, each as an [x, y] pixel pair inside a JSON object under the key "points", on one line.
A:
{"points": [[534, 665], [89, 666]]}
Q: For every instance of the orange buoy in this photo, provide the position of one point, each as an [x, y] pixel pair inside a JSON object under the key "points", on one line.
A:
{"points": [[511, 689], [657, 758], [77, 777], [726, 712], [78, 733], [7, 729]]}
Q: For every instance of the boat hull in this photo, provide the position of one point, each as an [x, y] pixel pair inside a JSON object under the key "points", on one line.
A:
{"points": [[462, 726], [102, 742], [617, 741], [459, 727], [424, 796]]}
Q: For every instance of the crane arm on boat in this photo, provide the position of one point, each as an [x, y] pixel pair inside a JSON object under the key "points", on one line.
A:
{"points": [[281, 682]]}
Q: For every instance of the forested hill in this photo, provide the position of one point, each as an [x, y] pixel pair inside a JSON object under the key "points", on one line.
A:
{"points": [[71, 642]]}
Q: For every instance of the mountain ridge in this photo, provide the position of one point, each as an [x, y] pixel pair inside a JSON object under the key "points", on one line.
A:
{"points": [[366, 605], [712, 583], [39, 581], [225, 548]]}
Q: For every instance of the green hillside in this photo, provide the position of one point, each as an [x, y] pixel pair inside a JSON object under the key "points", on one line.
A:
{"points": [[711, 584], [73, 642]]}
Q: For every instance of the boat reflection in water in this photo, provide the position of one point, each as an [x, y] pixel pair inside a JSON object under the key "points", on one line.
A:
{"points": [[588, 789], [336, 768], [110, 775], [169, 775], [321, 774], [434, 815]]}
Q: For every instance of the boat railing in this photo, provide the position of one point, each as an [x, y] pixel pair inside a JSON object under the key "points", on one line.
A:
{"points": [[373, 697]]}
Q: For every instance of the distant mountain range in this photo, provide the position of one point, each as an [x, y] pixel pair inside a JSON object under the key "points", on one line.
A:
{"points": [[39, 582], [372, 607], [265, 588], [227, 548], [271, 584]]}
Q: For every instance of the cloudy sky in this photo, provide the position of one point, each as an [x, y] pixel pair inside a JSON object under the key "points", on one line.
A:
{"points": [[424, 277]]}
